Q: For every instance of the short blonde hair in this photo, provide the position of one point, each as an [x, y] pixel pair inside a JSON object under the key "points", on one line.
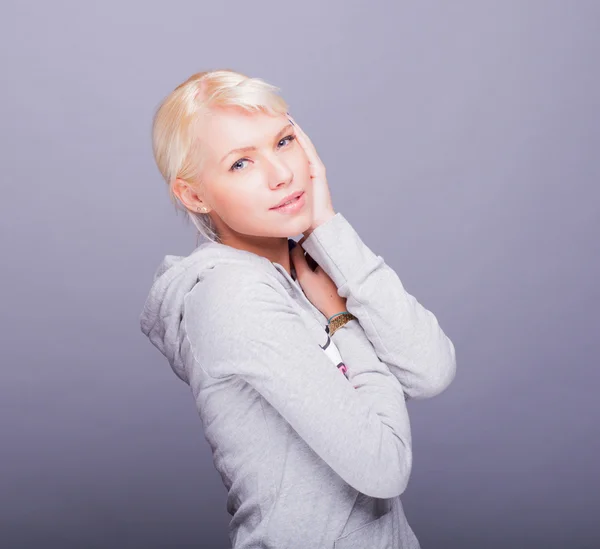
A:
{"points": [[177, 151]]}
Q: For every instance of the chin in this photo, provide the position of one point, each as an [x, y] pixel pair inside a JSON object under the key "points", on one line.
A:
{"points": [[292, 227]]}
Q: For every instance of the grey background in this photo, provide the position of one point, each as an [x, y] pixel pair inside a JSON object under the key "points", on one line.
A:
{"points": [[461, 140]]}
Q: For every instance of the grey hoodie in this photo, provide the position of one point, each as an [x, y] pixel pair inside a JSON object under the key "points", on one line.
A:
{"points": [[312, 455]]}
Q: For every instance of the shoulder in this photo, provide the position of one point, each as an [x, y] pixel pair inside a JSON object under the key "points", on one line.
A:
{"points": [[228, 288], [231, 308]]}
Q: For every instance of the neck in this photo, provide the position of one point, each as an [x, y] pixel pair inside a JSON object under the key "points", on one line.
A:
{"points": [[275, 249]]}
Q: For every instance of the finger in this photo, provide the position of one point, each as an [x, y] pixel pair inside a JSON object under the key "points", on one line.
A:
{"points": [[305, 140], [307, 144], [311, 262], [300, 263]]}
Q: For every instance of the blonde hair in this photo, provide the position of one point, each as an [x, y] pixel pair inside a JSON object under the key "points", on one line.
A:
{"points": [[174, 141]]}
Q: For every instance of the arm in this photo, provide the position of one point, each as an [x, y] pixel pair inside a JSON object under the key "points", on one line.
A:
{"points": [[405, 335], [238, 323]]}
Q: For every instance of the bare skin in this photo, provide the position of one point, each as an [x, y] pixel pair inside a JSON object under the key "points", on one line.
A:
{"points": [[316, 285], [239, 189]]}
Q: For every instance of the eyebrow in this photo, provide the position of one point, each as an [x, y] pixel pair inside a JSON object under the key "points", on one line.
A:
{"points": [[252, 147]]}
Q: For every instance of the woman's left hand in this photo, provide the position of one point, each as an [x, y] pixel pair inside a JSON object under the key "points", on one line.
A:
{"points": [[317, 285], [322, 206]]}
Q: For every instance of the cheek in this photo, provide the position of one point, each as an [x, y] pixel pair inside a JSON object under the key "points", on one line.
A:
{"points": [[229, 201], [236, 201], [301, 165]]}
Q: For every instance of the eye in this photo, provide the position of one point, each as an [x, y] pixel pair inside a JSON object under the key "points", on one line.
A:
{"points": [[233, 168], [290, 137], [236, 163]]}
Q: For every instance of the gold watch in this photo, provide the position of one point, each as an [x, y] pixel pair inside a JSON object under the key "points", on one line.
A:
{"points": [[339, 320]]}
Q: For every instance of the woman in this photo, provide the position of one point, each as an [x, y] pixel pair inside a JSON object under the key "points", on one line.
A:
{"points": [[312, 456]]}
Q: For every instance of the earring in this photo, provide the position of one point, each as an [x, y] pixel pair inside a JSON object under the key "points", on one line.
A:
{"points": [[201, 209]]}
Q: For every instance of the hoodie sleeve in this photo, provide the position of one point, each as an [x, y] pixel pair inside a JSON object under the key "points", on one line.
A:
{"points": [[239, 323], [406, 336]]}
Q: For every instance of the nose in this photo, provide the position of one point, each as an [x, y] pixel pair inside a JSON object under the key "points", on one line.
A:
{"points": [[281, 173]]}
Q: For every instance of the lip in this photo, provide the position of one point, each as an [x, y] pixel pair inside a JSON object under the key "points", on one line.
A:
{"points": [[295, 207], [288, 197]]}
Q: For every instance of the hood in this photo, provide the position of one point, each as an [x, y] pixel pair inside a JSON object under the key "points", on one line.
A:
{"points": [[174, 278]]}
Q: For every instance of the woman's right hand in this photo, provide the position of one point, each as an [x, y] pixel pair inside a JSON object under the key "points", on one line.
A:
{"points": [[321, 195], [318, 287]]}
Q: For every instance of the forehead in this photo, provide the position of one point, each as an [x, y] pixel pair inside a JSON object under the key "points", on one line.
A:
{"points": [[224, 129]]}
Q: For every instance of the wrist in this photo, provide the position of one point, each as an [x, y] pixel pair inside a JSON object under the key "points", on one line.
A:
{"points": [[339, 321], [339, 308], [324, 218], [335, 315], [318, 222]]}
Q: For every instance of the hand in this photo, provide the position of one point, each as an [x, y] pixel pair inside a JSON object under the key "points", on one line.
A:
{"points": [[318, 287], [322, 206]]}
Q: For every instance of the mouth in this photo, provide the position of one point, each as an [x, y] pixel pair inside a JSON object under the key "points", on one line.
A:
{"points": [[288, 200]]}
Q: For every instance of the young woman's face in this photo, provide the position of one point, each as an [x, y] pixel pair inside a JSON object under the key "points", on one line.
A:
{"points": [[241, 187]]}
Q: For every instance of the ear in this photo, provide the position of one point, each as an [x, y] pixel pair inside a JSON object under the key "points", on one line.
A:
{"points": [[189, 196], [180, 188]]}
